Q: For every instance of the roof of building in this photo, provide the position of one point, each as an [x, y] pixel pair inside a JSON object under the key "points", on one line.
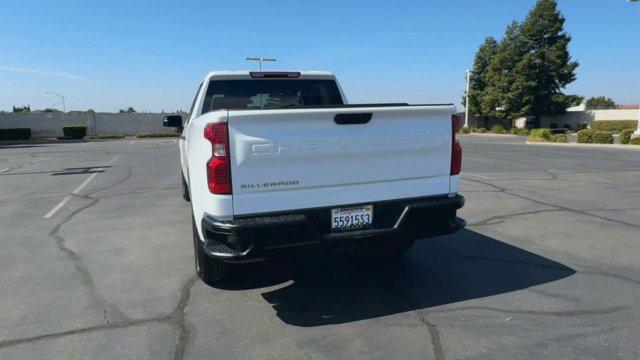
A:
{"points": [[627, 106]]}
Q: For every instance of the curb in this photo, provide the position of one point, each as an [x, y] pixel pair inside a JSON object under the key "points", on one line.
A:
{"points": [[610, 146]]}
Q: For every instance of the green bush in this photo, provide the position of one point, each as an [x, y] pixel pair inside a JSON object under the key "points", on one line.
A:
{"points": [[540, 135], [615, 126], [634, 141], [75, 131], [625, 136], [517, 131], [582, 126], [560, 138], [590, 136], [15, 134], [497, 129], [481, 130], [464, 130]]}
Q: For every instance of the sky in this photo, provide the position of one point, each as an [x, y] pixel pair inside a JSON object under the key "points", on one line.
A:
{"points": [[108, 55]]}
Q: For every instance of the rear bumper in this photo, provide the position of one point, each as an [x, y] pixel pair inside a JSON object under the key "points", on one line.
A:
{"points": [[256, 237]]}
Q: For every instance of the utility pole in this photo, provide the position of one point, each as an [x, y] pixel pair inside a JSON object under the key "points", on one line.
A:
{"points": [[466, 112], [64, 107], [259, 60]]}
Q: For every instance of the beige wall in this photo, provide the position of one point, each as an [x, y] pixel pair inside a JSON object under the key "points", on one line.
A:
{"points": [[50, 124], [616, 114]]}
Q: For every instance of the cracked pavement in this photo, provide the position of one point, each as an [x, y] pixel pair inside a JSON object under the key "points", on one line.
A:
{"points": [[548, 267]]}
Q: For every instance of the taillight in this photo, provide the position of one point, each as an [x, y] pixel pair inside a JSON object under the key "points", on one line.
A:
{"points": [[219, 166], [456, 150]]}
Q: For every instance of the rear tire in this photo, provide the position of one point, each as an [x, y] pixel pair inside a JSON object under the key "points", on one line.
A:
{"points": [[211, 271], [385, 250], [185, 190]]}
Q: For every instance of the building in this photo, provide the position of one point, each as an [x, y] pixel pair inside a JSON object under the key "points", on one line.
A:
{"points": [[577, 115]]}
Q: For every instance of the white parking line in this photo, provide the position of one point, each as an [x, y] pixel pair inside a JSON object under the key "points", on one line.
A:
{"points": [[132, 141], [84, 183], [57, 207], [112, 160], [5, 169], [75, 191], [174, 140]]}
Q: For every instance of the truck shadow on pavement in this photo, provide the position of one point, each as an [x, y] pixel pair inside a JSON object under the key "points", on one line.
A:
{"points": [[333, 289], [81, 170]]}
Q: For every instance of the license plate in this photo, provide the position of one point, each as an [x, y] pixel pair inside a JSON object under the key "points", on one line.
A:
{"points": [[351, 218]]}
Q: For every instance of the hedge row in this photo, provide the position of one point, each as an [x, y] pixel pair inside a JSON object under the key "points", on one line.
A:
{"points": [[467, 130], [560, 138], [625, 136], [15, 134], [495, 129], [517, 131], [635, 141], [75, 131], [540, 135], [615, 126], [106, 136], [498, 129], [591, 136]]}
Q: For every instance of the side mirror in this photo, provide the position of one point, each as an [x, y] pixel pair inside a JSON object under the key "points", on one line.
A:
{"points": [[172, 121]]}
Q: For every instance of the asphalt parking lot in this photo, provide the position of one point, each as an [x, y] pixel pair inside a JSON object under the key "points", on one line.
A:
{"points": [[97, 263]]}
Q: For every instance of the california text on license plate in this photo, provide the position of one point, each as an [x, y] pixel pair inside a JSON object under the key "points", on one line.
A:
{"points": [[351, 218]]}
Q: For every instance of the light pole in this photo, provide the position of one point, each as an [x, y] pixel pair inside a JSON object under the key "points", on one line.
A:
{"points": [[64, 107], [259, 60], [466, 112], [637, 133]]}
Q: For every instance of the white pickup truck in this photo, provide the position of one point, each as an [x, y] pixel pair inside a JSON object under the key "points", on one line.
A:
{"points": [[276, 161]]}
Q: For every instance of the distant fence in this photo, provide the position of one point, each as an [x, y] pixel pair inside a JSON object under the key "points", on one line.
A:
{"points": [[51, 124]]}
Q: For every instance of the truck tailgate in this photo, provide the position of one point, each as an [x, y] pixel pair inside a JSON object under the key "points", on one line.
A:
{"points": [[297, 159]]}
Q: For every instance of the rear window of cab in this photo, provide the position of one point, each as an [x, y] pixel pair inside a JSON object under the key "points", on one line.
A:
{"points": [[270, 94]]}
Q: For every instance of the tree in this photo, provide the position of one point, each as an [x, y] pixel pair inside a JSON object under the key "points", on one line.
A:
{"points": [[600, 102], [22, 109], [528, 71], [129, 110], [575, 100], [50, 110], [546, 68], [478, 83], [500, 100]]}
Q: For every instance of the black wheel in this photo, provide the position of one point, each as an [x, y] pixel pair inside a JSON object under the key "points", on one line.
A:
{"points": [[185, 190], [211, 271], [384, 250]]}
